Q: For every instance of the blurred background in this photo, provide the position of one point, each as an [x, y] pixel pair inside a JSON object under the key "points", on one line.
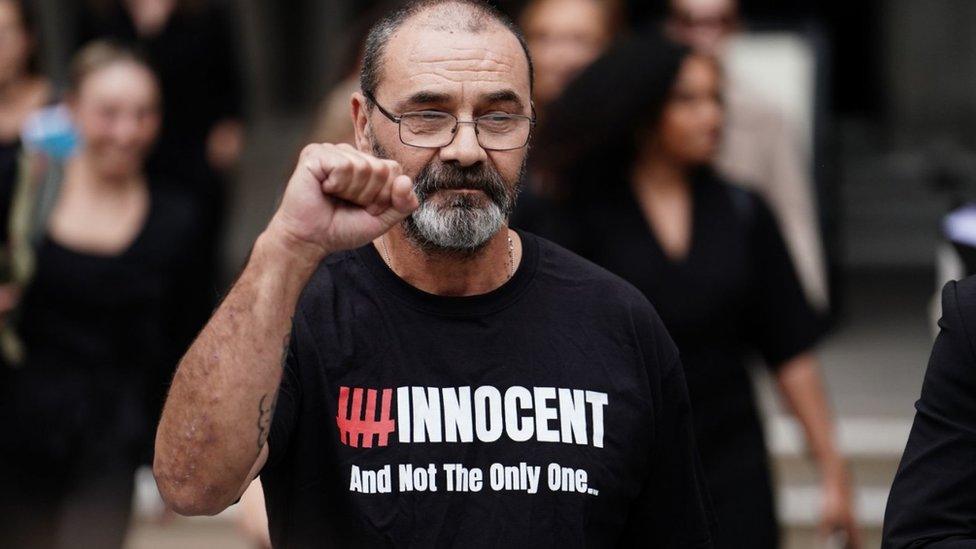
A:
{"points": [[881, 96]]}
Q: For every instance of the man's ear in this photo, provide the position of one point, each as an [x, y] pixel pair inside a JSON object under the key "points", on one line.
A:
{"points": [[360, 122]]}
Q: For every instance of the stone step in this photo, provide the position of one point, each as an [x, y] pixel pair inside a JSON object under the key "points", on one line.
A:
{"points": [[861, 438], [873, 448]]}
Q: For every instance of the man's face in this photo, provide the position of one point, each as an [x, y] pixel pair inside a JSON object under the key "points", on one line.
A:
{"points": [[466, 192]]}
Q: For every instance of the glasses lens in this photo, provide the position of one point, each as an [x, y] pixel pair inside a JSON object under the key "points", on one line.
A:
{"points": [[435, 129], [503, 132], [427, 129]]}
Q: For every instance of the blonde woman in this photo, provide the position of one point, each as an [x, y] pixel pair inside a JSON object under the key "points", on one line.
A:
{"points": [[96, 316]]}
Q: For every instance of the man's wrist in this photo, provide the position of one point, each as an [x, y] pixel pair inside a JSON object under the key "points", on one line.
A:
{"points": [[289, 253]]}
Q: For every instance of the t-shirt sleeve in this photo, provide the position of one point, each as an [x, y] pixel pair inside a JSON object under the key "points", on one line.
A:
{"points": [[932, 502], [782, 322], [287, 401], [673, 508]]}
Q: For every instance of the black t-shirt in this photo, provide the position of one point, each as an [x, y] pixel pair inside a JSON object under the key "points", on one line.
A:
{"points": [[550, 412], [933, 498]]}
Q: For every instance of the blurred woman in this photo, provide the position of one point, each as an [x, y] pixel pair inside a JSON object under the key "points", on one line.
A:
{"points": [[191, 46], [95, 316], [632, 139], [22, 89], [564, 37]]}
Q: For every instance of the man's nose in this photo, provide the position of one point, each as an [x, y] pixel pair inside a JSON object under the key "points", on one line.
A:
{"points": [[464, 149]]}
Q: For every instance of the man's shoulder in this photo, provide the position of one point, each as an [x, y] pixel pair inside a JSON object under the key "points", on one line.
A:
{"points": [[560, 273], [596, 293], [581, 280], [959, 298], [335, 270]]}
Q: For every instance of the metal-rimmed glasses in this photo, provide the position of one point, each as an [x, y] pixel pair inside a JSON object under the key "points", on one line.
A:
{"points": [[436, 129]]}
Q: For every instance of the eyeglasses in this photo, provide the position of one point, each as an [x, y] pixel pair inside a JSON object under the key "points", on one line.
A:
{"points": [[436, 129]]}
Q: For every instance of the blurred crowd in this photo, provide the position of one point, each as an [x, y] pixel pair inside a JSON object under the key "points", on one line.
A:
{"points": [[661, 152], [113, 194]]}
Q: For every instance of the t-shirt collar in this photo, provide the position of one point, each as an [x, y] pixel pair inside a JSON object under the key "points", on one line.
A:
{"points": [[476, 305]]}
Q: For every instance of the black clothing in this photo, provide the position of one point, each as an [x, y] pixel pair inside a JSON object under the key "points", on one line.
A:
{"points": [[85, 504], [9, 157], [9, 153], [100, 348], [564, 357], [932, 502], [734, 293]]}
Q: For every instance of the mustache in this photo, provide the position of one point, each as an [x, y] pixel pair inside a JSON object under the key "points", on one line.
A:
{"points": [[481, 177], [446, 177]]}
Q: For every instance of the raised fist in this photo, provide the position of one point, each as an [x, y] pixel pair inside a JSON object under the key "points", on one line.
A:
{"points": [[340, 198]]}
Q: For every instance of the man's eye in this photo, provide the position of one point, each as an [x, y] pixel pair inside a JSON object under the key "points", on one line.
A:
{"points": [[431, 116], [498, 123], [426, 122]]}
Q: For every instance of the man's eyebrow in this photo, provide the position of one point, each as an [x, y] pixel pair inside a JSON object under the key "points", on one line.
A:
{"points": [[431, 97], [425, 97], [503, 96]]}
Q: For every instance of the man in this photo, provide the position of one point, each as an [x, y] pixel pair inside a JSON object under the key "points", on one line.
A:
{"points": [[933, 499], [441, 380], [762, 147]]}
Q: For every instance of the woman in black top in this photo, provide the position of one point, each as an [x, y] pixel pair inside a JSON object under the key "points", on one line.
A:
{"points": [[96, 321], [630, 141], [190, 45]]}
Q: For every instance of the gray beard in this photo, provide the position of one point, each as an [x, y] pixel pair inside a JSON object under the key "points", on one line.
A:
{"points": [[459, 226], [463, 224]]}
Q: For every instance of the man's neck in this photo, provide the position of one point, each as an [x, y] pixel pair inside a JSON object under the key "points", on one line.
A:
{"points": [[451, 274]]}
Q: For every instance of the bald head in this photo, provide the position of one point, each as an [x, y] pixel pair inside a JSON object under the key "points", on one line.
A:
{"points": [[446, 16]]}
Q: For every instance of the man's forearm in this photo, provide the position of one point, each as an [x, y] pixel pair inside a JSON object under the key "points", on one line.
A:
{"points": [[218, 414]]}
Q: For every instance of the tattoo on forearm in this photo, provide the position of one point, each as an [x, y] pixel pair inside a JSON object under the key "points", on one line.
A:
{"points": [[285, 348], [266, 407], [265, 412]]}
